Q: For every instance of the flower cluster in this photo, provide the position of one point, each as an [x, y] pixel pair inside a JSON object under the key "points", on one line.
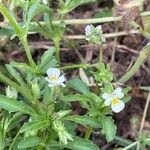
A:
{"points": [[94, 34]]}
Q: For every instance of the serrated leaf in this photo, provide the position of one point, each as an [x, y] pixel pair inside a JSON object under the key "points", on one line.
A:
{"points": [[109, 128], [30, 142], [79, 85], [84, 120], [81, 144]]}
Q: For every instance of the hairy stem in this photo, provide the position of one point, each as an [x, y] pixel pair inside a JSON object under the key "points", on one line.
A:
{"points": [[28, 52], [78, 66], [140, 60]]}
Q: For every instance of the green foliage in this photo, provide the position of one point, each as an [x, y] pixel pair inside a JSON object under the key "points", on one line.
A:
{"points": [[104, 74], [84, 120], [79, 85], [30, 142], [13, 105], [83, 144], [109, 128], [47, 60], [68, 5]]}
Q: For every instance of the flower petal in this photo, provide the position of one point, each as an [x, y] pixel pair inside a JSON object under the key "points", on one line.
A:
{"points": [[45, 2], [99, 28], [107, 101], [53, 71], [88, 29], [61, 79], [105, 95], [118, 93], [118, 107], [63, 85]]}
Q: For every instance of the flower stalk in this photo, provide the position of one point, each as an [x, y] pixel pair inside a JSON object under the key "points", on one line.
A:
{"points": [[28, 52]]}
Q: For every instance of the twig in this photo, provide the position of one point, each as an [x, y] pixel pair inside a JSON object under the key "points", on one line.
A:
{"points": [[92, 21], [143, 119], [131, 145], [114, 46]]}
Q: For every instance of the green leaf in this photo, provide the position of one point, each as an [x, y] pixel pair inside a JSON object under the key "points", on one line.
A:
{"points": [[69, 5], [109, 128], [47, 60], [13, 105], [22, 66], [81, 144], [14, 73], [36, 8], [84, 120], [30, 142], [34, 125], [147, 141], [76, 97], [79, 85]]}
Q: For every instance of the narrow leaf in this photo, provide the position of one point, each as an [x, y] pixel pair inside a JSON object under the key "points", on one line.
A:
{"points": [[81, 144], [84, 120], [30, 142], [34, 125]]}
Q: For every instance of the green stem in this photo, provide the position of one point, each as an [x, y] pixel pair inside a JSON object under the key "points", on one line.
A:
{"points": [[28, 52], [14, 140], [140, 60], [78, 66], [88, 132], [19, 88], [91, 21], [131, 145]]}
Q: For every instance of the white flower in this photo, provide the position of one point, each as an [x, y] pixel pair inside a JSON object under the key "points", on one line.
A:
{"points": [[113, 99], [54, 77], [45, 2], [89, 28]]}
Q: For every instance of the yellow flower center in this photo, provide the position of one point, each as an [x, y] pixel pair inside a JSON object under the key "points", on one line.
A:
{"points": [[115, 101], [53, 78]]}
